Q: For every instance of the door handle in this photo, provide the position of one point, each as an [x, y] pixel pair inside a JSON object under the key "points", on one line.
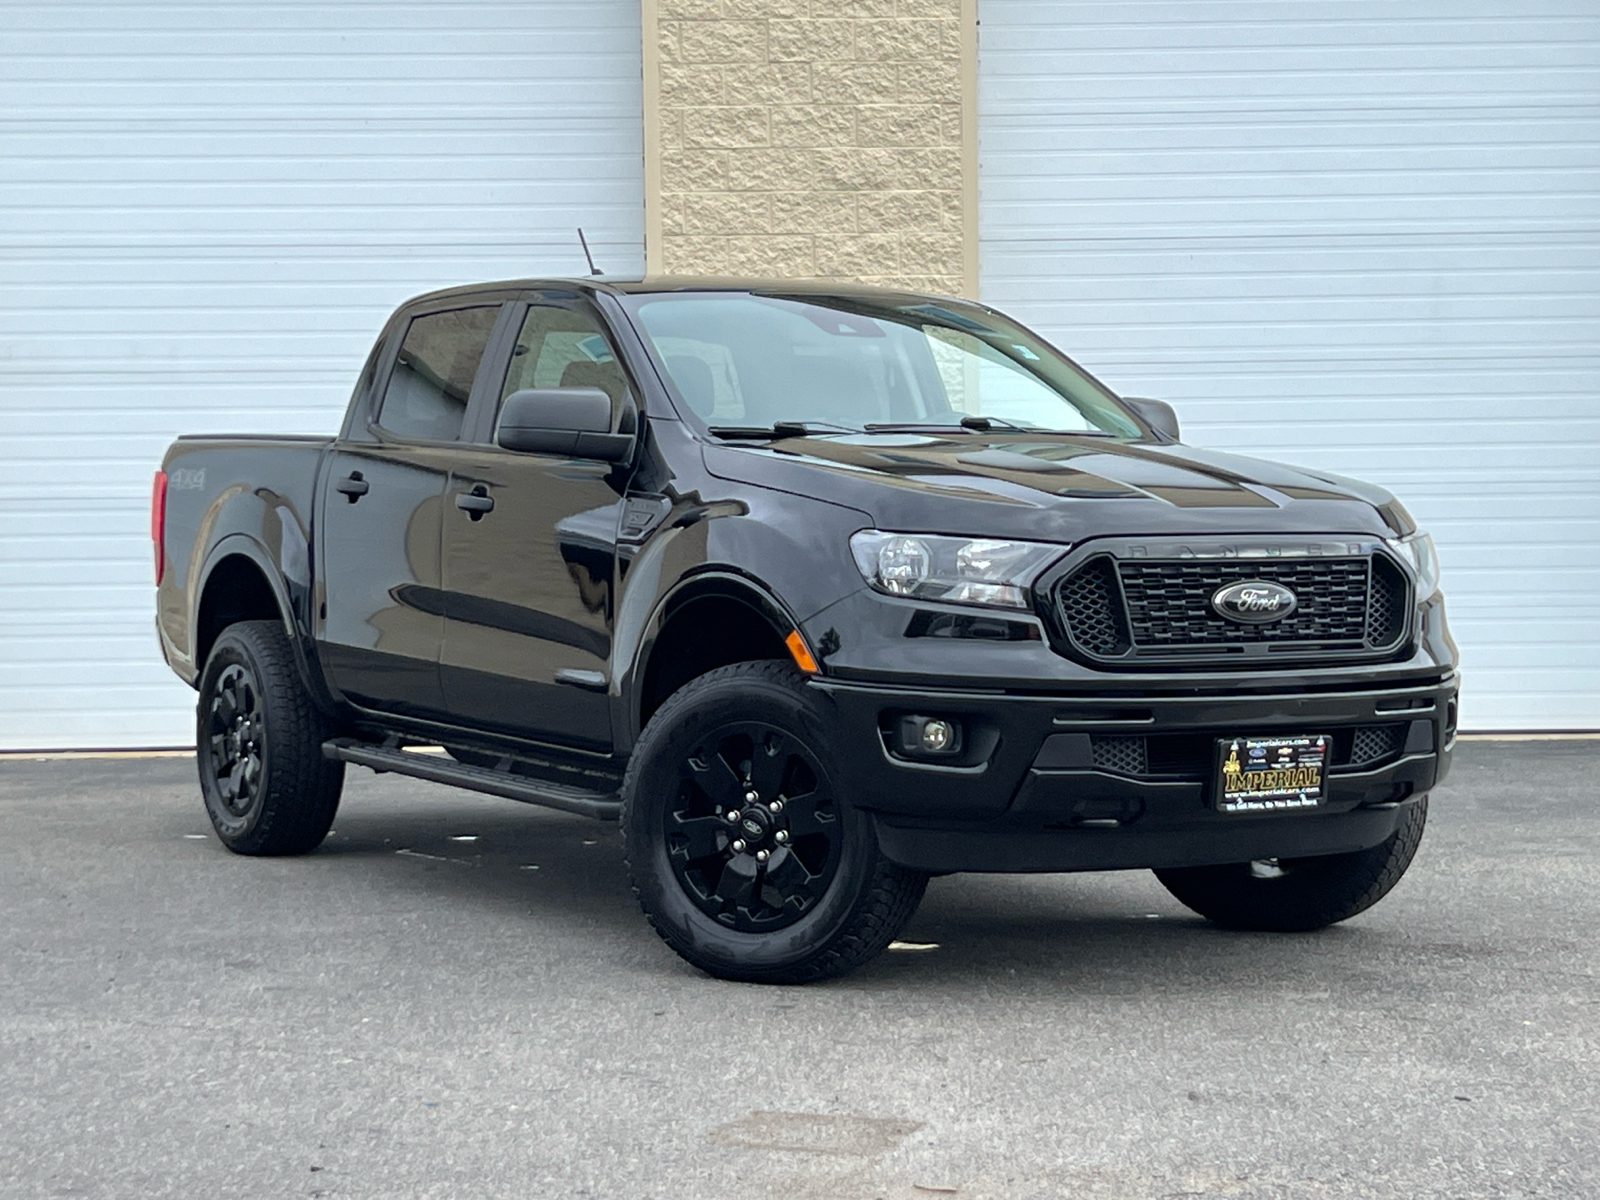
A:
{"points": [[353, 486], [476, 502]]}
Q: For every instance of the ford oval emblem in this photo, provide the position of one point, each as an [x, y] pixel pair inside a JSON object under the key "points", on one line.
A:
{"points": [[1254, 602]]}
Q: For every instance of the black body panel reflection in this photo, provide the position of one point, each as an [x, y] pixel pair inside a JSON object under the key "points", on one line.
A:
{"points": [[529, 596], [379, 552]]}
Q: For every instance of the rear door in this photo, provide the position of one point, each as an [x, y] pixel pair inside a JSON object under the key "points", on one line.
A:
{"points": [[382, 605], [530, 554]]}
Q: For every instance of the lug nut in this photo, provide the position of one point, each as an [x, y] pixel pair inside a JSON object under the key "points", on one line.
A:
{"points": [[731, 816], [751, 797], [781, 836], [763, 855], [776, 806], [738, 845]]}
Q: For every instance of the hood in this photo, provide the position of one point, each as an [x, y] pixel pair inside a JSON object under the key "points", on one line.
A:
{"points": [[1053, 487]]}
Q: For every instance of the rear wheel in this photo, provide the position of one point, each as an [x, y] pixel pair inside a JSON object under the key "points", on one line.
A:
{"points": [[1288, 895], [267, 787], [743, 853]]}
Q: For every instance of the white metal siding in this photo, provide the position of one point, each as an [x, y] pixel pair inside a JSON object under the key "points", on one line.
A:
{"points": [[1363, 237], [206, 213]]}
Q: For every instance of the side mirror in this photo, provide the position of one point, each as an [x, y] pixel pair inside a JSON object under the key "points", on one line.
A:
{"points": [[1157, 414], [571, 421]]}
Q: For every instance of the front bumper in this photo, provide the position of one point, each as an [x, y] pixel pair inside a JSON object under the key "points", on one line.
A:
{"points": [[1036, 790]]}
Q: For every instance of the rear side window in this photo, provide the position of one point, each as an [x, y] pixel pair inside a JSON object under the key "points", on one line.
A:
{"points": [[432, 381]]}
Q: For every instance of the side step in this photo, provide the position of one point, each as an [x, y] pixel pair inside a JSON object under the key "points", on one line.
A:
{"points": [[603, 806]]}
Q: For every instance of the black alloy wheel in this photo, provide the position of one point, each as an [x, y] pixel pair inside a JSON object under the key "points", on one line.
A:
{"points": [[746, 856], [753, 836], [268, 788], [236, 740]]}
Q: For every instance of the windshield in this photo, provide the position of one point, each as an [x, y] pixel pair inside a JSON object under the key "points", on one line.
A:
{"points": [[750, 360]]}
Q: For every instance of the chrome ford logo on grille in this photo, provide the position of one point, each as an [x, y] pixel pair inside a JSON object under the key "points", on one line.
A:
{"points": [[1254, 602]]}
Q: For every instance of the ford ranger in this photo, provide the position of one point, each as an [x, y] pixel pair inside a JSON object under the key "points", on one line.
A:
{"points": [[819, 591]]}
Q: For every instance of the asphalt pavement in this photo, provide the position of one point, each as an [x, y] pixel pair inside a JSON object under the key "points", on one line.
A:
{"points": [[457, 997]]}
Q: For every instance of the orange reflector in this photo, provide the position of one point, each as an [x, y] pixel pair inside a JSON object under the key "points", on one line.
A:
{"points": [[802, 656]]}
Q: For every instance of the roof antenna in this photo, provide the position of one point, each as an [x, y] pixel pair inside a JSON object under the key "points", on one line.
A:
{"points": [[593, 270]]}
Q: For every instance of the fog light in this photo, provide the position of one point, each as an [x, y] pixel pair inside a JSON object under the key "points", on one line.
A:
{"points": [[929, 737]]}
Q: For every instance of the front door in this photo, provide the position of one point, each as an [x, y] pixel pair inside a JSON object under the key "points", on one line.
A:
{"points": [[530, 555], [381, 521]]}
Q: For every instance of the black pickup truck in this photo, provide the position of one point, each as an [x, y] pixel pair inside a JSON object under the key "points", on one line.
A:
{"points": [[820, 591]]}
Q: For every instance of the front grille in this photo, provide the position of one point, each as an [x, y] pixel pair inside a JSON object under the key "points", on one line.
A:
{"points": [[1093, 609], [1169, 604], [1386, 608], [1142, 610]]}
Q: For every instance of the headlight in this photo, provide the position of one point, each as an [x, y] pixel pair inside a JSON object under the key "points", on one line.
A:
{"points": [[1418, 550], [984, 571]]}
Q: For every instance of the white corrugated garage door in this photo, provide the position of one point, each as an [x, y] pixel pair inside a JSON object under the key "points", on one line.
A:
{"points": [[206, 212], [1363, 237]]}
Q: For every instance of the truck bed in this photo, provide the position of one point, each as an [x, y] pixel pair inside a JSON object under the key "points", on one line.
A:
{"points": [[245, 494]]}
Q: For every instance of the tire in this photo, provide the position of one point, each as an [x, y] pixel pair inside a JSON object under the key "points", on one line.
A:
{"points": [[268, 790], [1296, 895], [822, 901]]}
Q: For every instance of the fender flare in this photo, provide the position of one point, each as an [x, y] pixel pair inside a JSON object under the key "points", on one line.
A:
{"points": [[307, 662], [712, 580]]}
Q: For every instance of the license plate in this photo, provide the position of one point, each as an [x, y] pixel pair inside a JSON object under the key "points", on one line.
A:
{"points": [[1266, 775]]}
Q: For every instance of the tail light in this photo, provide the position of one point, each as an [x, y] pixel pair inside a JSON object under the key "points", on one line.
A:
{"points": [[158, 521]]}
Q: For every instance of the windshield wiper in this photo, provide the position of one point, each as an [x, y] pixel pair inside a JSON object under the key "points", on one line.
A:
{"points": [[780, 429], [983, 424], [973, 424]]}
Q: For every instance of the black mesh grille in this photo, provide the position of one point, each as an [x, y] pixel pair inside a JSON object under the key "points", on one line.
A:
{"points": [[1374, 743], [1386, 607], [1140, 609], [1124, 755], [1093, 609]]}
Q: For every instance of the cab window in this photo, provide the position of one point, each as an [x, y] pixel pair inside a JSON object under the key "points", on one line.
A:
{"points": [[432, 380], [564, 348]]}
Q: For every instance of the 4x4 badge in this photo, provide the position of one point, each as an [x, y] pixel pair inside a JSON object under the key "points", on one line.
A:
{"points": [[1254, 602]]}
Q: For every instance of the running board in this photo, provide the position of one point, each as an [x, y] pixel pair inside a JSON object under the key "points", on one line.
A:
{"points": [[603, 806]]}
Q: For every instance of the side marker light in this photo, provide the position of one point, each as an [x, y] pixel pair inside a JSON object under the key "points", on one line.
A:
{"points": [[801, 653]]}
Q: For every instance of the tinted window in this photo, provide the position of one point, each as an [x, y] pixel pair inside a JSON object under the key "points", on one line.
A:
{"points": [[750, 359], [561, 347], [428, 392]]}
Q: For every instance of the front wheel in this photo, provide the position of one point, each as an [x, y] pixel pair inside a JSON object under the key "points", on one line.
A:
{"points": [[268, 789], [1295, 895], [743, 853]]}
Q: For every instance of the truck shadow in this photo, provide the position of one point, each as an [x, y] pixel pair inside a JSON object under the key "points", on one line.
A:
{"points": [[491, 852], [1100, 934]]}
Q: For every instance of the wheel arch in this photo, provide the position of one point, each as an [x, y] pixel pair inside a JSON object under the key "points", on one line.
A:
{"points": [[709, 620], [236, 587], [241, 582]]}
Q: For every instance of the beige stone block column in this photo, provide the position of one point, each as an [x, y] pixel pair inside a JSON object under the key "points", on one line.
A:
{"points": [[830, 139]]}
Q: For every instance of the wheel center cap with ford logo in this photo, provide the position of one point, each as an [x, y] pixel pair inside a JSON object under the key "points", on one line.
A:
{"points": [[1254, 602], [756, 822]]}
